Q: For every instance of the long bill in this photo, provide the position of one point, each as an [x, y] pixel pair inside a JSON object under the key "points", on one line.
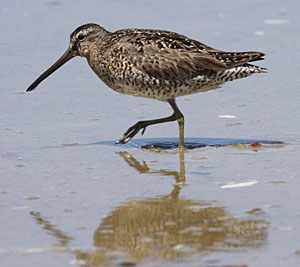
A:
{"points": [[62, 60]]}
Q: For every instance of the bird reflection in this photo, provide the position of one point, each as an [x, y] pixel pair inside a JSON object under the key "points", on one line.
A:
{"points": [[62, 238], [143, 168], [167, 228]]}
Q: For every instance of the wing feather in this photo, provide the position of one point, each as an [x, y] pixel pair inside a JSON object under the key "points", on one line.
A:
{"points": [[170, 56], [173, 64]]}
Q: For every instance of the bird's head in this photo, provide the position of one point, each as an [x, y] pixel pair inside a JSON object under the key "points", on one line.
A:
{"points": [[81, 41], [84, 37]]}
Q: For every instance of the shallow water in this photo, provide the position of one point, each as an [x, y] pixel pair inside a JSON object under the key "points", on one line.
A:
{"points": [[70, 196]]}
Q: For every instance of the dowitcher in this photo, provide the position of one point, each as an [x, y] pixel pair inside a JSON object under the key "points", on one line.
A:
{"points": [[156, 64]]}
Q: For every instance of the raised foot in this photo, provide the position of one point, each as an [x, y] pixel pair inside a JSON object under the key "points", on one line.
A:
{"points": [[132, 131]]}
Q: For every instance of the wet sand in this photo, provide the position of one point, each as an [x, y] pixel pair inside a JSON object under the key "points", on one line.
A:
{"points": [[70, 196]]}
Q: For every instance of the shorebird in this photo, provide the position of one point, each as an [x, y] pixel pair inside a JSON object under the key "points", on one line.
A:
{"points": [[155, 64]]}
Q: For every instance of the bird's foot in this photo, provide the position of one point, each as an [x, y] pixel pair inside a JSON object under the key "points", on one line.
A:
{"points": [[132, 131]]}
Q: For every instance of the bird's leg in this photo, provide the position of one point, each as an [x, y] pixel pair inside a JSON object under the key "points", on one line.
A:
{"points": [[134, 129], [180, 120], [177, 115]]}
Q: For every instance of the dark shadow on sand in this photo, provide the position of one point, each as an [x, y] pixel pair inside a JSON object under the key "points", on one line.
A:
{"points": [[189, 143]]}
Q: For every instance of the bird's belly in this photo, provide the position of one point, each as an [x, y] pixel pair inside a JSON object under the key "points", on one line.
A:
{"points": [[163, 89], [150, 87], [137, 83]]}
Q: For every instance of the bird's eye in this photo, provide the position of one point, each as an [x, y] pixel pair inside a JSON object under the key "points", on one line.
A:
{"points": [[80, 37]]}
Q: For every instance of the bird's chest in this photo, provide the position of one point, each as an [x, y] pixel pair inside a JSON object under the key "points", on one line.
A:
{"points": [[114, 70]]}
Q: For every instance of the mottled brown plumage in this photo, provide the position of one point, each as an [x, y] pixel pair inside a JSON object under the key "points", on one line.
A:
{"points": [[156, 64]]}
